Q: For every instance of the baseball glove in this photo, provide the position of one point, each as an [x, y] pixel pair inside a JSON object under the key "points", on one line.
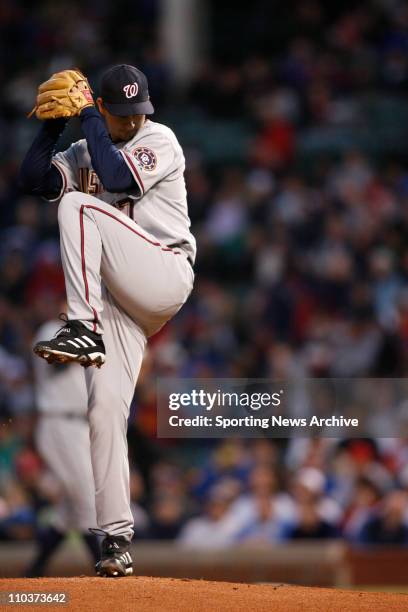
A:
{"points": [[65, 94]]}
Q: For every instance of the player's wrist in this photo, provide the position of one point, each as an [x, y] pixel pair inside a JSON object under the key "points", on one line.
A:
{"points": [[55, 127], [85, 107], [88, 111]]}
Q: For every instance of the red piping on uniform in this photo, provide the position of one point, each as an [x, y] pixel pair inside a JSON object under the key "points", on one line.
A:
{"points": [[81, 218], [130, 228], [81, 222], [130, 161], [64, 177]]}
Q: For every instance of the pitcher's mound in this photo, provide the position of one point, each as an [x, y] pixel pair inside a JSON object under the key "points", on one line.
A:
{"points": [[143, 594]]}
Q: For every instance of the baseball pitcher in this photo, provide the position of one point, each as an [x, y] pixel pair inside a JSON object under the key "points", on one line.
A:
{"points": [[127, 254]]}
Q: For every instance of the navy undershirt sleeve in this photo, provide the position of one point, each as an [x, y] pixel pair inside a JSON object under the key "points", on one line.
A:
{"points": [[107, 161], [37, 175]]}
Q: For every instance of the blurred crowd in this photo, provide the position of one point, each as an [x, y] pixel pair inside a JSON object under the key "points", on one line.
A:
{"points": [[256, 492], [302, 269], [264, 492]]}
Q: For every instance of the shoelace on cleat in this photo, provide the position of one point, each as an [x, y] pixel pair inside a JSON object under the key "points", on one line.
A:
{"points": [[110, 543], [68, 325]]}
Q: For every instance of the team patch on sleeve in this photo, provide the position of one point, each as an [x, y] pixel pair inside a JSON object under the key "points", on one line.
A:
{"points": [[146, 158]]}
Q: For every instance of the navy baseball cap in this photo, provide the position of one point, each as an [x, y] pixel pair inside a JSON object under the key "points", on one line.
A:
{"points": [[124, 91]]}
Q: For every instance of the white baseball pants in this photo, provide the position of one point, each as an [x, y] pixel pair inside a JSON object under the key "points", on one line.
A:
{"points": [[120, 281]]}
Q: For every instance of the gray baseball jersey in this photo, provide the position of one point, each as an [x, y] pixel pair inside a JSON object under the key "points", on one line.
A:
{"points": [[59, 390], [156, 161], [62, 437]]}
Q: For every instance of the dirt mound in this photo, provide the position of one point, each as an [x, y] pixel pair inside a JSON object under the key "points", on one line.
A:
{"points": [[143, 594]]}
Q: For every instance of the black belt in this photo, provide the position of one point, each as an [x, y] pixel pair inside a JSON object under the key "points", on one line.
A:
{"points": [[179, 245]]}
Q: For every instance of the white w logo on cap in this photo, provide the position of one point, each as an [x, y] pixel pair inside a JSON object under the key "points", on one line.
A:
{"points": [[131, 90]]}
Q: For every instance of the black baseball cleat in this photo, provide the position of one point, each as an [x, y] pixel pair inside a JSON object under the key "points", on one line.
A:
{"points": [[116, 560], [73, 342]]}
